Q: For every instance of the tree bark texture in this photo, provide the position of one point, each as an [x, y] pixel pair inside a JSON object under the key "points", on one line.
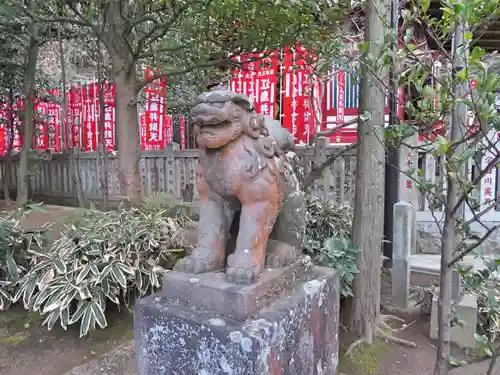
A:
{"points": [[28, 128], [73, 162], [127, 124], [128, 135], [8, 156], [458, 120], [364, 308]]}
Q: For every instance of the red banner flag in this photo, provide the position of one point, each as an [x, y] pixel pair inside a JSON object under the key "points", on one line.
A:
{"points": [[17, 142], [4, 124], [169, 129], [54, 122], [297, 86], [86, 118], [153, 133], [76, 115], [41, 138], [182, 130], [265, 85], [109, 116], [257, 79]]}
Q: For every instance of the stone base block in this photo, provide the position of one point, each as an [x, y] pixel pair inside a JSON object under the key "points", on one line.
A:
{"points": [[291, 330], [466, 311], [426, 278]]}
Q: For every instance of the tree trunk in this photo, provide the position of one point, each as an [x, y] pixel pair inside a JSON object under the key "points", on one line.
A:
{"points": [[124, 70], [458, 117], [102, 149], [364, 308], [73, 162], [28, 126], [10, 143], [127, 130]]}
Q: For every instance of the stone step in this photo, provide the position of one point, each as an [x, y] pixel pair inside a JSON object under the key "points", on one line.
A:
{"points": [[479, 368], [118, 361]]}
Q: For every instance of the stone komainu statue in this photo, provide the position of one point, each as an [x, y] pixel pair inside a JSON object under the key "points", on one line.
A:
{"points": [[243, 171]]}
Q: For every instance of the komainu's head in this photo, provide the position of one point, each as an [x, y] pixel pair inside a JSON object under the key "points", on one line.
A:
{"points": [[222, 116]]}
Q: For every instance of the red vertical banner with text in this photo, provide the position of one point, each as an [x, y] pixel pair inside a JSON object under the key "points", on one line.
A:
{"points": [[143, 112], [169, 129], [153, 120], [41, 138], [109, 116], [340, 95], [17, 142], [96, 109], [54, 122], [303, 71], [296, 93], [182, 130], [265, 84], [288, 100], [86, 118], [76, 115], [4, 124]]}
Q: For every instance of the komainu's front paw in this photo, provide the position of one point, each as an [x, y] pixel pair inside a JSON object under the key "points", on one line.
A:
{"points": [[242, 269], [240, 275], [191, 264]]}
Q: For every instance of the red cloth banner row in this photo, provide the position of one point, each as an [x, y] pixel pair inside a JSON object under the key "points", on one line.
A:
{"points": [[83, 114], [257, 78]]}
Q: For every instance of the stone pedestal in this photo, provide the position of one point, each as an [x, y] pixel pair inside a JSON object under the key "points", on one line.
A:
{"points": [[466, 311], [286, 323]]}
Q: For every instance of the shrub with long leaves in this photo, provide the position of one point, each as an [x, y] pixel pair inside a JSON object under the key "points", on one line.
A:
{"points": [[15, 244], [111, 257], [327, 239], [324, 221]]}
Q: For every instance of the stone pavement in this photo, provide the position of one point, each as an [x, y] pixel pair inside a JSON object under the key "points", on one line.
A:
{"points": [[479, 368], [119, 361]]}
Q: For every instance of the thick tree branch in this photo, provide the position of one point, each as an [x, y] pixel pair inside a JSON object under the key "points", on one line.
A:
{"points": [[200, 65], [317, 171], [326, 133], [471, 248], [163, 26]]}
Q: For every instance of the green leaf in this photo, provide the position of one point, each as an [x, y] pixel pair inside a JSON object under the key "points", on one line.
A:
{"points": [[462, 75], [64, 318], [79, 313], [424, 4], [138, 279], [99, 316], [363, 47], [477, 53], [113, 298], [28, 299], [60, 266], [83, 274], [51, 319], [119, 276], [86, 320]]}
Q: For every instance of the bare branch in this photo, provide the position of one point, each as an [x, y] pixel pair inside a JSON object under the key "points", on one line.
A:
{"points": [[471, 248], [317, 171], [326, 133]]}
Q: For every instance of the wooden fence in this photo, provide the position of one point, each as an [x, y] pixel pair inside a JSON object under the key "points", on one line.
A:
{"points": [[174, 171], [170, 170]]}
